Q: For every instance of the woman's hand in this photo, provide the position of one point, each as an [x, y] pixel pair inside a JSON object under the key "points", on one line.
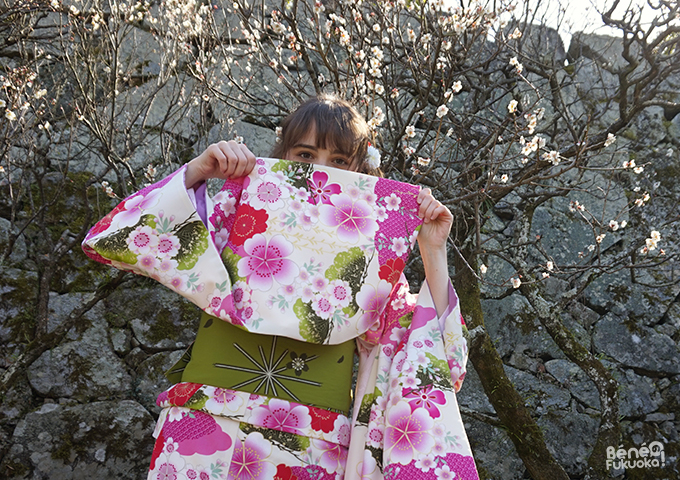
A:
{"points": [[224, 160], [437, 221], [432, 238]]}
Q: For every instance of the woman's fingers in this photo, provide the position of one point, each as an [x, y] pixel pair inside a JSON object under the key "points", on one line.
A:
{"points": [[245, 162], [235, 160]]}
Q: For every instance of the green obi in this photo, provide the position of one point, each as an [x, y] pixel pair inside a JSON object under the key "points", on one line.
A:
{"points": [[226, 356]]}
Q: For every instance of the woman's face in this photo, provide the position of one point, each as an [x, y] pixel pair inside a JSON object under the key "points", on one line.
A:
{"points": [[307, 151]]}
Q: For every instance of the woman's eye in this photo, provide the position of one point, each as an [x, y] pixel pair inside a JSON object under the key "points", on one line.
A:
{"points": [[341, 162]]}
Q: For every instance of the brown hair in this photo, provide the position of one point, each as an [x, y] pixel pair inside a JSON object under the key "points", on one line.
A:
{"points": [[338, 126]]}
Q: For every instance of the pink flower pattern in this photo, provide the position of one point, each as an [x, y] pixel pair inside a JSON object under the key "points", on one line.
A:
{"points": [[320, 189], [351, 217], [407, 433], [427, 398], [402, 402], [280, 415], [249, 461], [265, 259]]}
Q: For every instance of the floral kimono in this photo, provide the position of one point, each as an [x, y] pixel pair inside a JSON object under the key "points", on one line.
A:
{"points": [[295, 268]]}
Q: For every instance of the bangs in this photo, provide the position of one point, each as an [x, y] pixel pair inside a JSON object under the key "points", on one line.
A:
{"points": [[338, 128]]}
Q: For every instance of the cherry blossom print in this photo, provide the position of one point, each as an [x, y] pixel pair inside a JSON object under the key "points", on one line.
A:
{"points": [[222, 399], [322, 306], [249, 312], [381, 213], [351, 217], [249, 222], [225, 202], [249, 461], [240, 294], [168, 245], [135, 206], [288, 292], [306, 293], [142, 240], [392, 202], [181, 393], [179, 282], [342, 431], [399, 246], [148, 263], [266, 260], [391, 271], [198, 473], [215, 301], [296, 206], [372, 300], [319, 282], [370, 197], [427, 398], [302, 195], [322, 419], [266, 193], [410, 382], [176, 414], [170, 446], [353, 191], [398, 303], [339, 293], [280, 415], [426, 462], [407, 433], [445, 473], [221, 237], [376, 435], [333, 457], [168, 467], [320, 189]]}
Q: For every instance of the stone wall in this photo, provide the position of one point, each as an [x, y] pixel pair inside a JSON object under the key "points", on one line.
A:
{"points": [[86, 408]]}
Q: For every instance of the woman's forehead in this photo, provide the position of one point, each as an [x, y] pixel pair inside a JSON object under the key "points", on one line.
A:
{"points": [[311, 139]]}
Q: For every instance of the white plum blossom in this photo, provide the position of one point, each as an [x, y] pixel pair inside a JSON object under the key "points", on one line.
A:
{"points": [[512, 106], [442, 110], [552, 156], [515, 63], [410, 131], [483, 268], [611, 138], [456, 87], [516, 34], [516, 282]]}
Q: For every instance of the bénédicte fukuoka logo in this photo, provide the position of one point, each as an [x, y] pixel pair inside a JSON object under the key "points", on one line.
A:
{"points": [[642, 457]]}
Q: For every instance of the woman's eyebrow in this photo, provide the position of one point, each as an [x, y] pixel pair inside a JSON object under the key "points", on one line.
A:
{"points": [[302, 145]]}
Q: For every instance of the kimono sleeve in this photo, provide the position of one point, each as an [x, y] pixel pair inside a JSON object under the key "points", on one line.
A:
{"points": [[407, 419], [158, 233]]}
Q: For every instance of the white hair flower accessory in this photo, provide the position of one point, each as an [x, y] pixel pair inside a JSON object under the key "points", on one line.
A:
{"points": [[372, 157]]}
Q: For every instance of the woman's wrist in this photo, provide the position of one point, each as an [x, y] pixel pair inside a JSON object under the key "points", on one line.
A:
{"points": [[435, 263], [192, 175]]}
